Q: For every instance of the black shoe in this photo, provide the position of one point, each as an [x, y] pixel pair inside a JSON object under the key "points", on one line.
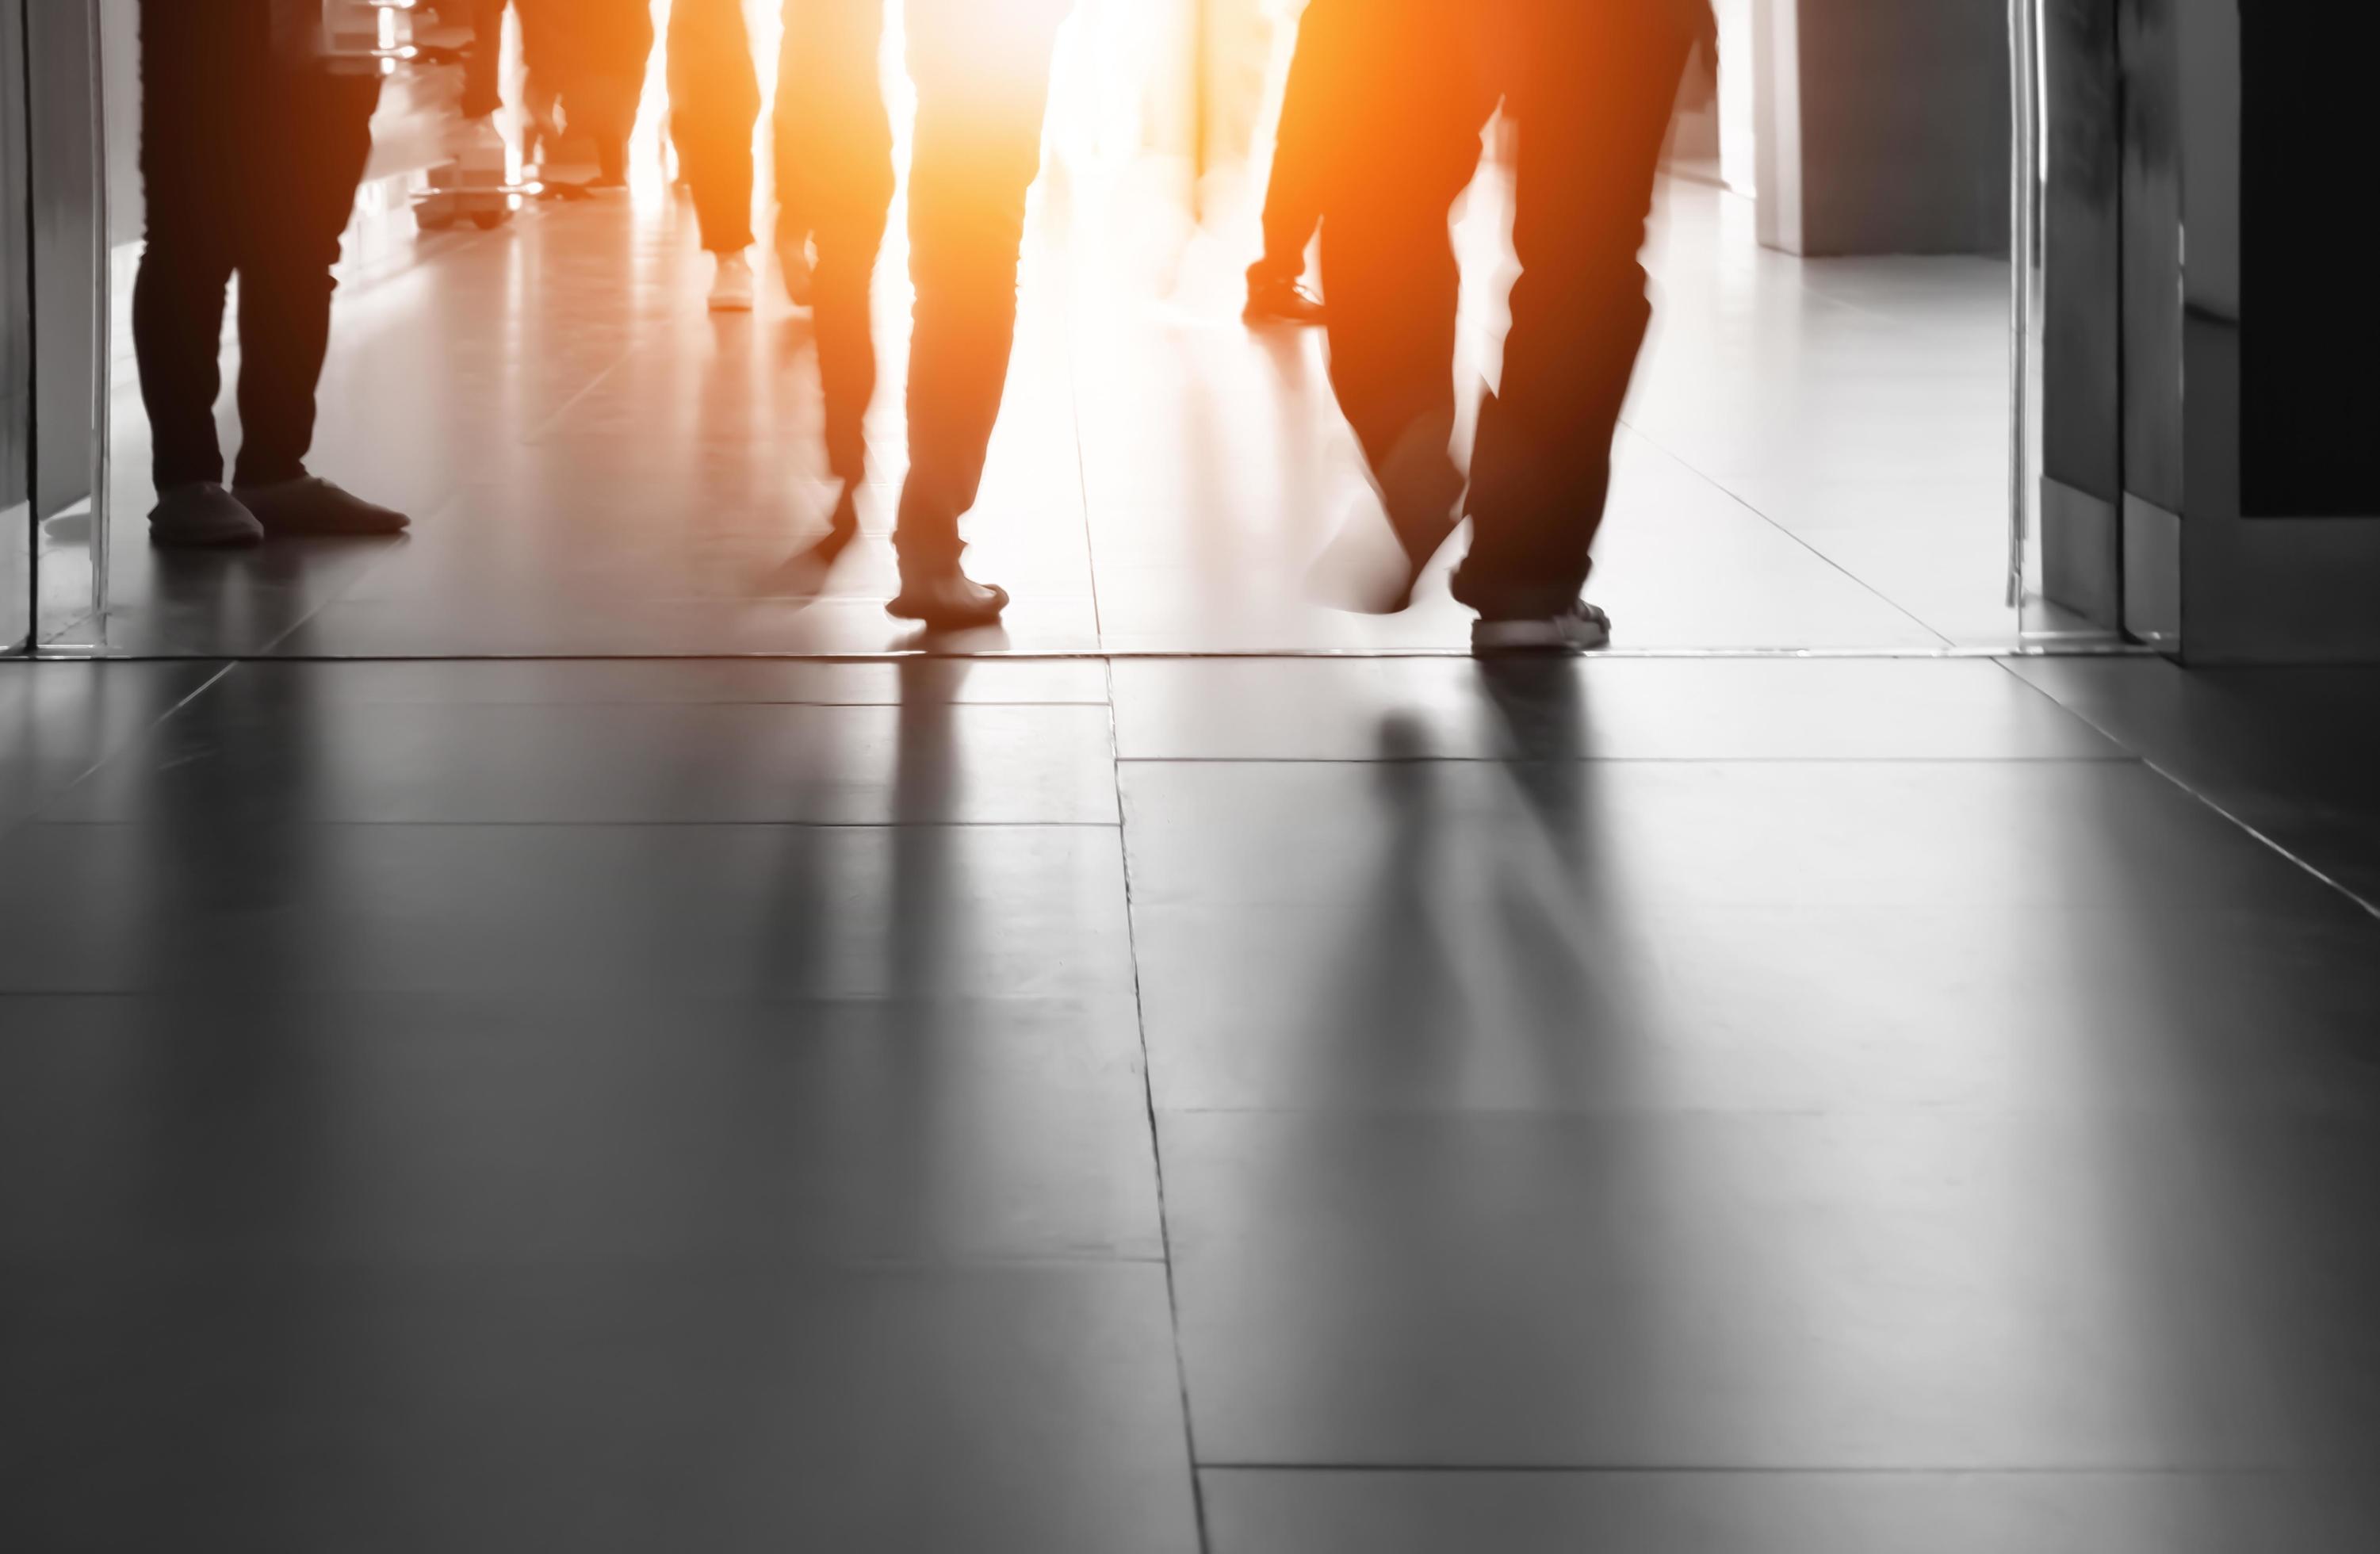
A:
{"points": [[309, 504], [201, 515], [1582, 628], [1281, 301], [946, 599]]}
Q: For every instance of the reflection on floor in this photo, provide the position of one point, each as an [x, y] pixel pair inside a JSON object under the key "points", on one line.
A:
{"points": [[1295, 1106], [1814, 457]]}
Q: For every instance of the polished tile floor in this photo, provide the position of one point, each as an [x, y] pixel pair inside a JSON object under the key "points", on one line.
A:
{"points": [[534, 1036], [1264, 1106]]}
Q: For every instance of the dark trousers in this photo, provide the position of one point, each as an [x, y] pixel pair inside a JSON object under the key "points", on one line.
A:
{"points": [[834, 174], [591, 55], [251, 164], [1293, 207], [982, 78], [1591, 83], [714, 100], [483, 66], [833, 158]]}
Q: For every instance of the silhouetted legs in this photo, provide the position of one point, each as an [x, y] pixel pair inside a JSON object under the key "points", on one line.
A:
{"points": [[591, 57], [1542, 471], [835, 185], [982, 83], [1406, 144], [1591, 83], [833, 170], [483, 66], [251, 167], [714, 101]]}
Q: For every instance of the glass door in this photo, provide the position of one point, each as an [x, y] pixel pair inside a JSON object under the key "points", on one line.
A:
{"points": [[54, 321], [16, 342], [70, 296], [2064, 572]]}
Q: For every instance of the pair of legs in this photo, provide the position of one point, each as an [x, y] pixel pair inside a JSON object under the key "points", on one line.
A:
{"points": [[981, 72], [833, 150], [1591, 83], [483, 65], [834, 155], [589, 56], [251, 163]]}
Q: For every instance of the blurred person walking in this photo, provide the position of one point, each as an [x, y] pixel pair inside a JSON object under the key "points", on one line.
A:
{"points": [[1293, 207], [982, 74], [1592, 84], [475, 145], [587, 61], [252, 147], [833, 147]]}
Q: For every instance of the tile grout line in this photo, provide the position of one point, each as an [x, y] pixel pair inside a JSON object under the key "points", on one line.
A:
{"points": [[1747, 1470], [1157, 1162], [2305, 866], [2370, 908], [1114, 654], [2121, 757], [1845, 571], [320, 824], [37, 816]]}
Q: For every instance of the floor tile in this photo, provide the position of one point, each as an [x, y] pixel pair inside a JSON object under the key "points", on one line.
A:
{"points": [[1613, 708], [531, 626], [469, 1407], [2001, 1291], [2289, 751], [265, 684], [1404, 1001], [1782, 1513], [205, 1131], [1581, 840], [60, 720], [775, 912], [300, 760]]}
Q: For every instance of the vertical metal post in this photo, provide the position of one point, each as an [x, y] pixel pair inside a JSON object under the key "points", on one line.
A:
{"points": [[102, 311], [28, 539], [2024, 104]]}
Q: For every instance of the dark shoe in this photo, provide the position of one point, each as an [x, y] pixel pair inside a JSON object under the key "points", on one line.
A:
{"points": [[1582, 628], [202, 517], [309, 504], [1281, 301], [946, 599]]}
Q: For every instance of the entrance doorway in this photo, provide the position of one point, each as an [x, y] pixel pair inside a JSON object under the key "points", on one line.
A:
{"points": [[1816, 456]]}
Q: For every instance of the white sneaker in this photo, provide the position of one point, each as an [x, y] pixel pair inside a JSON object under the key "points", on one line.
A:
{"points": [[731, 289], [1582, 628]]}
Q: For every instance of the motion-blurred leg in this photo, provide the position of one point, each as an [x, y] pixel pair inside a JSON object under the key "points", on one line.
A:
{"points": [[1407, 143], [834, 184], [1595, 103], [982, 84], [714, 102]]}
